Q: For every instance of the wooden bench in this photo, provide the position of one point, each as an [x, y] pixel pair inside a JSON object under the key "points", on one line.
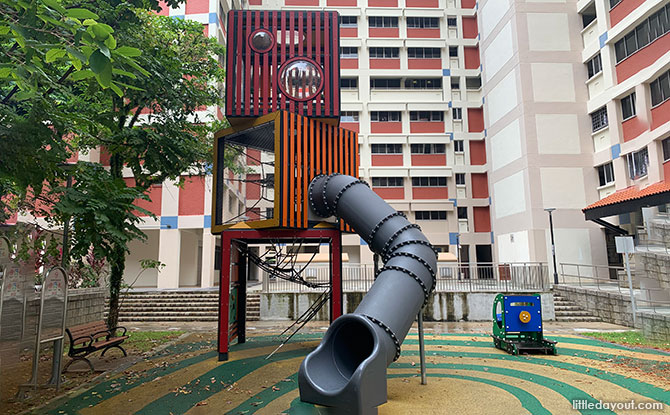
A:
{"points": [[91, 337]]}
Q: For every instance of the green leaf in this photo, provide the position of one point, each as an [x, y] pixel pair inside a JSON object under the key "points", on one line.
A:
{"points": [[116, 89], [84, 74], [105, 76], [19, 39], [98, 32], [81, 14], [89, 22], [74, 53], [124, 73], [110, 42], [75, 62], [4, 30], [99, 62], [54, 54], [4, 72], [55, 4], [128, 51], [138, 68]]}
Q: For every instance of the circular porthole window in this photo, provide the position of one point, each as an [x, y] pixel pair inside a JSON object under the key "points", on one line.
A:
{"points": [[301, 79], [261, 41]]}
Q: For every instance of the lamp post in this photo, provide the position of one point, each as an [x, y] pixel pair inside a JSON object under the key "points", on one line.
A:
{"points": [[65, 259], [553, 245]]}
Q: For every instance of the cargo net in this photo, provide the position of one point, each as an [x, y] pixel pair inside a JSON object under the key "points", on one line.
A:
{"points": [[260, 173], [280, 261]]}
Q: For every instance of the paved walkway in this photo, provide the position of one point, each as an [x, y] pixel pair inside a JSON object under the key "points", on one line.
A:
{"points": [[467, 375]]}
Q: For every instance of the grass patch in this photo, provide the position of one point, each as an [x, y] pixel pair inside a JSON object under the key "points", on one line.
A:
{"points": [[144, 341], [629, 338]]}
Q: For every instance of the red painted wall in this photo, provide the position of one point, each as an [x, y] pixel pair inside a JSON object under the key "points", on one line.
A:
{"points": [[430, 193], [104, 156], [165, 9], [426, 127], [384, 63], [382, 3], [155, 194], [253, 189], [197, 6], [622, 10], [349, 32], [384, 31], [192, 196], [349, 63], [255, 2], [482, 218], [660, 114], [422, 3], [475, 120], [666, 171], [386, 127], [390, 192], [253, 156], [468, 4], [423, 33], [477, 153], [429, 160], [342, 3], [471, 58], [301, 2], [480, 185], [470, 30], [387, 159], [642, 58], [633, 127], [424, 63], [352, 126]]}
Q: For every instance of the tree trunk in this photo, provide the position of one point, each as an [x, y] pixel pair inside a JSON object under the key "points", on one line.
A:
{"points": [[117, 264]]}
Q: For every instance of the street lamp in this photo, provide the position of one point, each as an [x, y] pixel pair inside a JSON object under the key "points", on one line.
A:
{"points": [[65, 258], [553, 245]]}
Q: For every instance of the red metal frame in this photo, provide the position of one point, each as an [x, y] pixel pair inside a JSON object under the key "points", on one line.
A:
{"points": [[334, 237]]}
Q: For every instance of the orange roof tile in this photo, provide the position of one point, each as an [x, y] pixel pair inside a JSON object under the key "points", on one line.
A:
{"points": [[631, 193]]}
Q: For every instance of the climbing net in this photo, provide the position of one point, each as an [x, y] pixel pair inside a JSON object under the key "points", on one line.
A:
{"points": [[265, 183]]}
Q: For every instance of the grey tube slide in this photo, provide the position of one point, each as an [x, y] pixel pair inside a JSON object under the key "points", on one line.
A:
{"points": [[347, 371]]}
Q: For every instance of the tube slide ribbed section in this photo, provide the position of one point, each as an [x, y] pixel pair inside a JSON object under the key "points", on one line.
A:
{"points": [[347, 370]]}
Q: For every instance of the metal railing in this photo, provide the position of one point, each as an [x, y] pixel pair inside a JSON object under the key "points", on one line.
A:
{"points": [[451, 277], [613, 280]]}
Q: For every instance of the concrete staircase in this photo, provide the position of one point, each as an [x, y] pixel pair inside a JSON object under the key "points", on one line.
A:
{"points": [[253, 307], [566, 310], [165, 306]]}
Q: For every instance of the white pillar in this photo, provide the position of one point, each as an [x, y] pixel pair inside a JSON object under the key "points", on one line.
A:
{"points": [[208, 275], [169, 249]]}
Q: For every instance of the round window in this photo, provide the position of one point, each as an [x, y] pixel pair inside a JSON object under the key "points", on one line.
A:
{"points": [[301, 79], [261, 41]]}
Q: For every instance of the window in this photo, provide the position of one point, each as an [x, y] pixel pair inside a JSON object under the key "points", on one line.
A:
{"points": [[462, 213], [385, 116], [594, 66], [348, 83], [458, 146], [429, 181], [460, 179], [348, 21], [349, 116], [383, 21], [384, 53], [473, 82], [386, 148], [385, 83], [666, 150], [646, 32], [269, 212], [599, 119], [423, 22], [423, 83], [457, 113], [424, 53], [426, 116], [387, 181], [453, 51], [452, 22], [455, 82], [427, 148], [430, 215], [638, 162], [589, 15], [606, 174], [628, 106], [660, 89], [348, 52], [614, 3]]}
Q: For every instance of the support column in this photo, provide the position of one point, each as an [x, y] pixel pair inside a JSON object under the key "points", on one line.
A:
{"points": [[207, 274], [169, 250]]}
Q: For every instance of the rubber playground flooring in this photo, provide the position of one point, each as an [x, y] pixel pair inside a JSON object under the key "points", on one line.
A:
{"points": [[466, 375]]}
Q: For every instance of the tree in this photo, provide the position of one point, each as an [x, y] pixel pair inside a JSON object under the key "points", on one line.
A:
{"points": [[153, 127]]}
